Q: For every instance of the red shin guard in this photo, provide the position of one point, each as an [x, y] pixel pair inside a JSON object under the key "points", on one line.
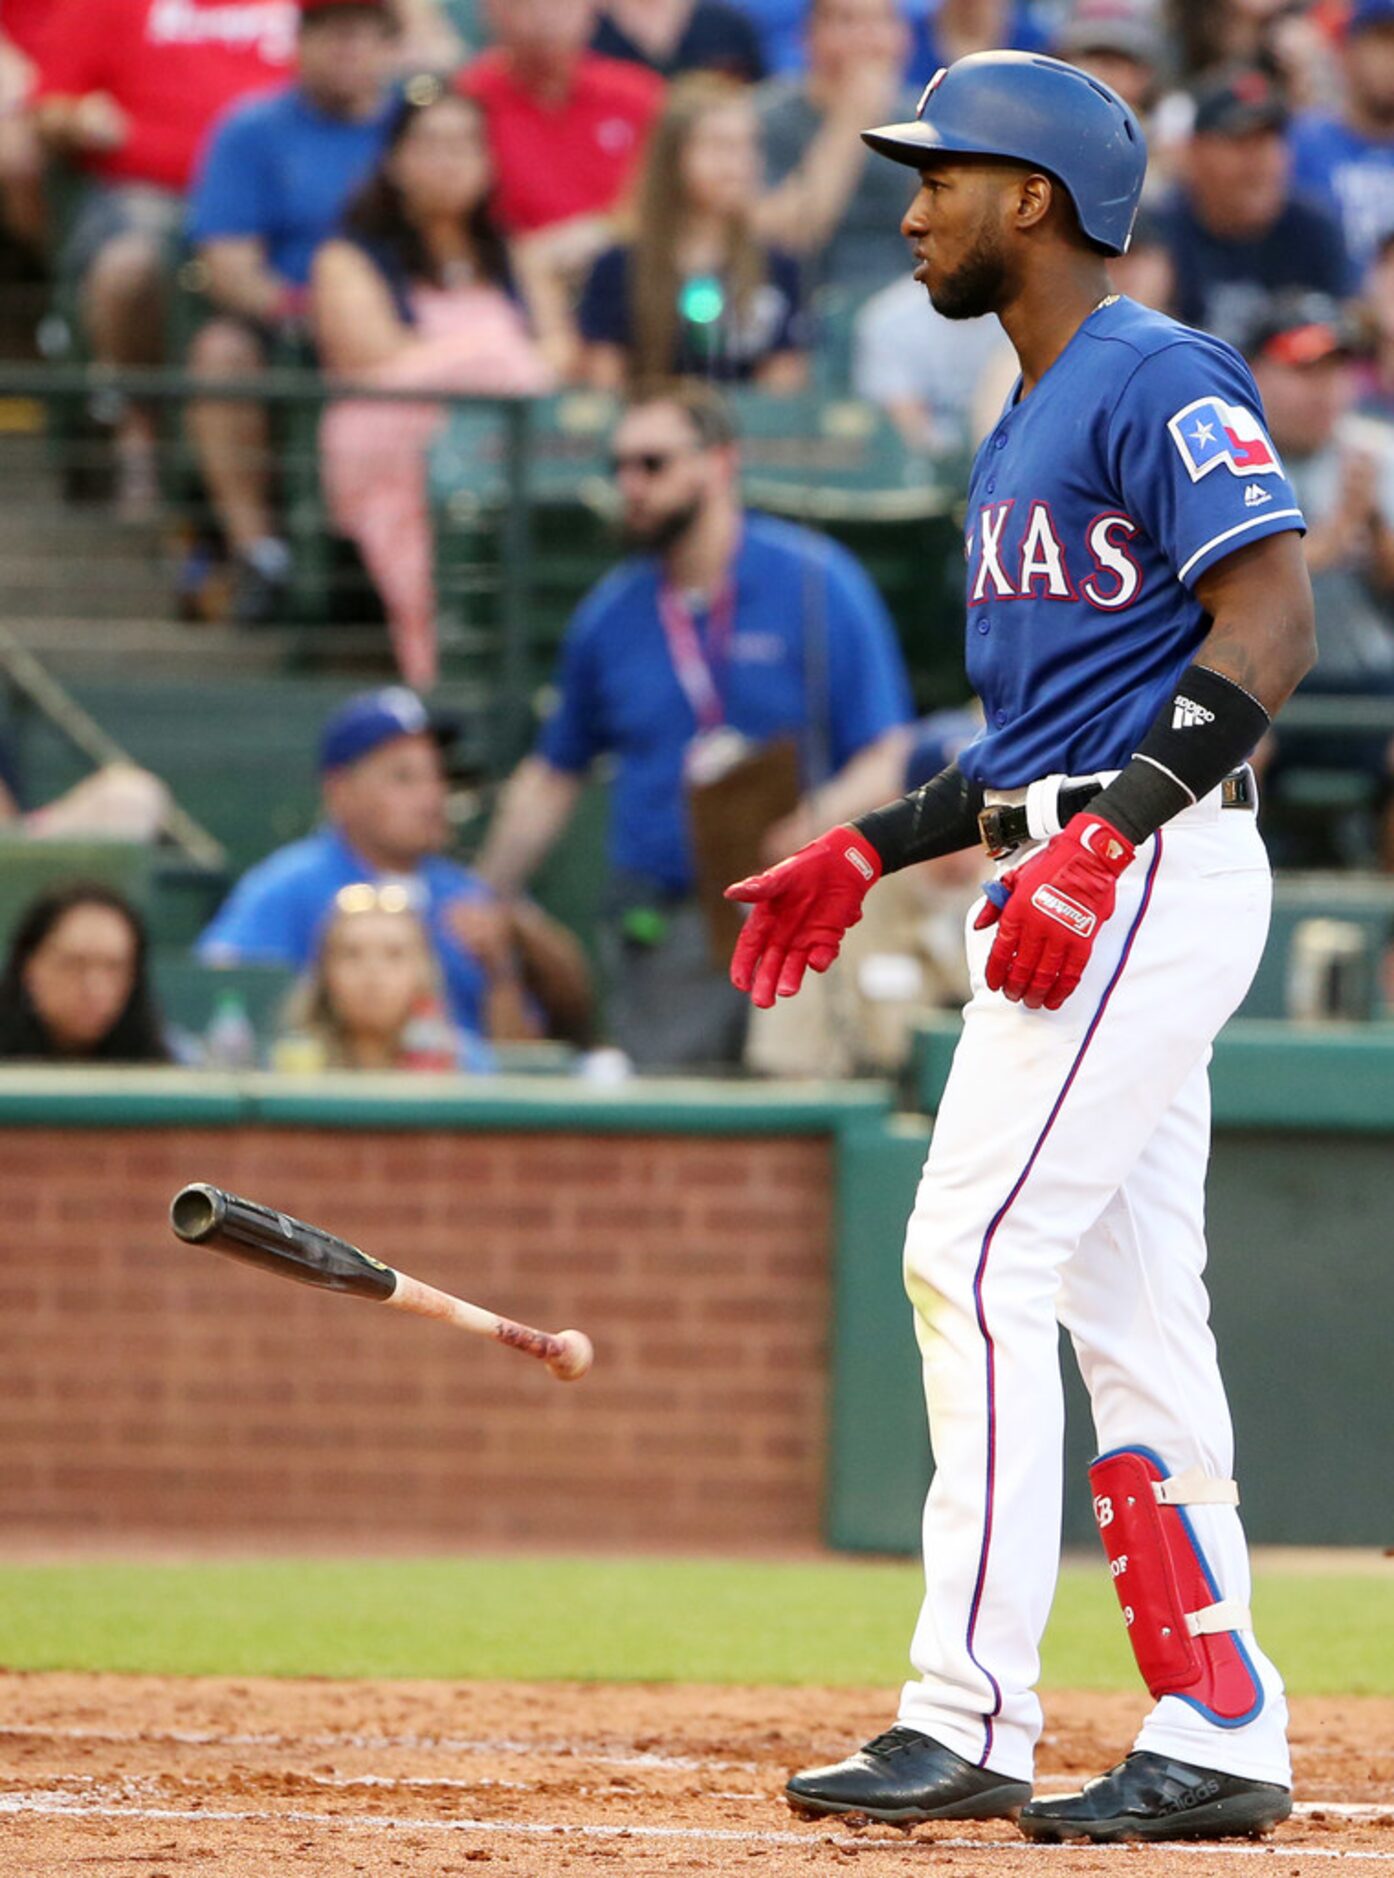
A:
{"points": [[1183, 1634]]}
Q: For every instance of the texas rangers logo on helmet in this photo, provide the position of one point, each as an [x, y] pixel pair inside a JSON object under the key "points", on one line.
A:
{"points": [[1209, 432]]}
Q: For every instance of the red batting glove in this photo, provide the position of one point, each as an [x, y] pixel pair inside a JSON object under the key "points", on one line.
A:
{"points": [[1054, 906], [802, 908]]}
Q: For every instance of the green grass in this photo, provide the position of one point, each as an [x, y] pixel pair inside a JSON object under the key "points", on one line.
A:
{"points": [[839, 1621]]}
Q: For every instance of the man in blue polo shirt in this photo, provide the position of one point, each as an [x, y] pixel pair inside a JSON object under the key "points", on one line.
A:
{"points": [[729, 626], [506, 970], [274, 178]]}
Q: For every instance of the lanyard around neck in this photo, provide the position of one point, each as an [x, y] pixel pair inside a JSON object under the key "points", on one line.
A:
{"points": [[699, 671]]}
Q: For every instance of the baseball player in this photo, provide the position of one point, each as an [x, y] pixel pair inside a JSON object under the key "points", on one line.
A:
{"points": [[1138, 609]]}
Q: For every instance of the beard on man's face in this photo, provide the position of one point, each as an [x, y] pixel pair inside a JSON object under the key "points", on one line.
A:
{"points": [[976, 286], [655, 534]]}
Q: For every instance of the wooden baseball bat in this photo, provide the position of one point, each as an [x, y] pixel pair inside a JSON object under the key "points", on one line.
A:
{"points": [[261, 1236]]}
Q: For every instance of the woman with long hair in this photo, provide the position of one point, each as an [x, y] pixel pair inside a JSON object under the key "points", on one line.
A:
{"points": [[694, 292], [75, 987], [415, 291]]}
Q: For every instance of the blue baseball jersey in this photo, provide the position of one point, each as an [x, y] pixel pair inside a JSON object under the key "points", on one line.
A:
{"points": [[1095, 504]]}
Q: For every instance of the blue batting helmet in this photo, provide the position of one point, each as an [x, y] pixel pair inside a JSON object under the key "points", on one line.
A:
{"points": [[1038, 111]]}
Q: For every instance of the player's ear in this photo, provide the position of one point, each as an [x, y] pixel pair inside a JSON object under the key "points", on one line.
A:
{"points": [[1035, 198]]}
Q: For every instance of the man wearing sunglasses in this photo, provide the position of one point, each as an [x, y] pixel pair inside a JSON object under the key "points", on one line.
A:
{"points": [[724, 635]]}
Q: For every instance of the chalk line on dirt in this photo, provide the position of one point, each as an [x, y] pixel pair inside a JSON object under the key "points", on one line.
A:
{"points": [[53, 1805]]}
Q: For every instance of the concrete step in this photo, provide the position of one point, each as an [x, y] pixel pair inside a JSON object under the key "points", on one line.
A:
{"points": [[87, 648]]}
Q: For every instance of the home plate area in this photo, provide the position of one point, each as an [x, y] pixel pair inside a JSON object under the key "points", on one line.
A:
{"points": [[119, 1775]]}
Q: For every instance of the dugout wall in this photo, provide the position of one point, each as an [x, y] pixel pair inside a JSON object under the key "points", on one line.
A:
{"points": [[734, 1250]]}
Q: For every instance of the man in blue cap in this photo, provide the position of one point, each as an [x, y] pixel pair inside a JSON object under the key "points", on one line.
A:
{"points": [[384, 787]]}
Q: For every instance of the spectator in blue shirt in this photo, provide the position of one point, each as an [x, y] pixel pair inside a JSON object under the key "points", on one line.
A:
{"points": [[1347, 162], [676, 36], [1237, 230], [780, 25], [274, 178], [508, 971], [945, 30], [726, 632]]}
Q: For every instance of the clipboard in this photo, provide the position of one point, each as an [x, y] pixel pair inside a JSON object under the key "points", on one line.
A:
{"points": [[729, 814]]}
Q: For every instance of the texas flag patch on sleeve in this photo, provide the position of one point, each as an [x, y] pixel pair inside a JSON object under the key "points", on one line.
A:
{"points": [[1208, 432]]}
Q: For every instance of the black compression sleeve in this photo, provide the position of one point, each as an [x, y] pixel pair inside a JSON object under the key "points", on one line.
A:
{"points": [[940, 818], [1206, 729]]}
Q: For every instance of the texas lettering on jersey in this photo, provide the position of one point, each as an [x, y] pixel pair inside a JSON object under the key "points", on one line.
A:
{"points": [[1097, 503], [1031, 561]]}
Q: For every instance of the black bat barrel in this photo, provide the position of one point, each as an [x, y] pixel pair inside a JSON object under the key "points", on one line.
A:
{"points": [[259, 1235]]}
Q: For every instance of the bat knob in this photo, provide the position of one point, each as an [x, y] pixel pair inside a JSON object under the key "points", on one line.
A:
{"points": [[574, 1356]]}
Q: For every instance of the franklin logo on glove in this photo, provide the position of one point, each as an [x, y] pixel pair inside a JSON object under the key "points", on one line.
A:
{"points": [[1069, 912]]}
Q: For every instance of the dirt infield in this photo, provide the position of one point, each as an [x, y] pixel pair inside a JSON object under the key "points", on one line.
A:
{"points": [[118, 1776]]}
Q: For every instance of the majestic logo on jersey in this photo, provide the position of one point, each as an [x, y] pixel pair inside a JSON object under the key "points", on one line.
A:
{"points": [[1256, 495], [1210, 432], [1035, 567], [1187, 715]]}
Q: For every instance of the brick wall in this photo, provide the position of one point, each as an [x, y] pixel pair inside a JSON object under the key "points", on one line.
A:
{"points": [[148, 1388]]}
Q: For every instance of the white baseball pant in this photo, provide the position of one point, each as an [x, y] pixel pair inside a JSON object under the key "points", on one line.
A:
{"points": [[1065, 1184]]}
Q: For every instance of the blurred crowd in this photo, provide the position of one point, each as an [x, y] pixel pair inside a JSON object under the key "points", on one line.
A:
{"points": [[518, 196]]}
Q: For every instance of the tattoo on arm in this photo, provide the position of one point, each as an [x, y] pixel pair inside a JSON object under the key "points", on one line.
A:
{"points": [[1263, 659]]}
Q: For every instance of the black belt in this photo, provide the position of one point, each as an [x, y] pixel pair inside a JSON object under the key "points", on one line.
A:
{"points": [[1003, 826]]}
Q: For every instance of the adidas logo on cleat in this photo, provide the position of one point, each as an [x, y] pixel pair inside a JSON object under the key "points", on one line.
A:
{"points": [[1191, 1797], [1189, 716], [1255, 496]]}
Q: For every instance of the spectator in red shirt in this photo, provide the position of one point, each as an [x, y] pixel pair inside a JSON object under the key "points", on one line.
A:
{"points": [[127, 90], [567, 128]]}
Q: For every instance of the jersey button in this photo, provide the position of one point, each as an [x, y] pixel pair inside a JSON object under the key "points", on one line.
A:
{"points": [[999, 442], [999, 718], [984, 625], [991, 485]]}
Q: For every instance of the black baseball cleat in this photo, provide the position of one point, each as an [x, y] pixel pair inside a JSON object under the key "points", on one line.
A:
{"points": [[903, 1777], [1148, 1796]]}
